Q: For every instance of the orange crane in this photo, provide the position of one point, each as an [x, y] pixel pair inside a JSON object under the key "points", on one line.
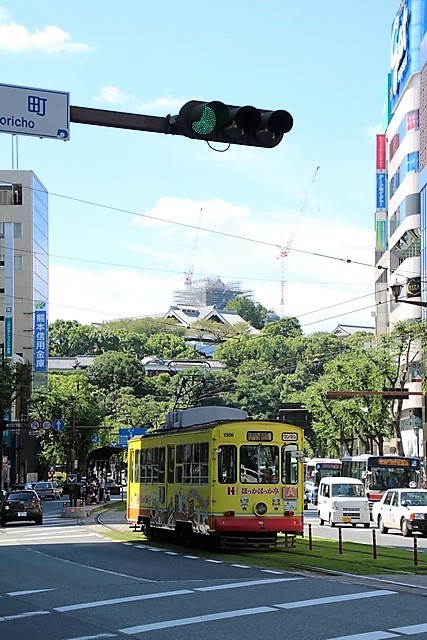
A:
{"points": [[284, 251], [188, 280]]}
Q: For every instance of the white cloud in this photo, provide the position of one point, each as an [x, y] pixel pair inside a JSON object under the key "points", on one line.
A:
{"points": [[113, 95], [162, 106], [100, 295], [16, 38]]}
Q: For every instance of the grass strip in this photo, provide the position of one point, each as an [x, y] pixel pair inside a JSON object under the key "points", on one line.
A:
{"points": [[356, 558]]}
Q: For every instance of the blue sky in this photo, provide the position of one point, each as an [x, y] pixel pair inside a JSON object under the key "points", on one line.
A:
{"points": [[116, 195]]}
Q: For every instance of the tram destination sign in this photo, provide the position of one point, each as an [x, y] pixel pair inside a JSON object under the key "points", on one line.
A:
{"points": [[27, 111]]}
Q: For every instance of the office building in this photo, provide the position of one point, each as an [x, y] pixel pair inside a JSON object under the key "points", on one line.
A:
{"points": [[24, 271]]}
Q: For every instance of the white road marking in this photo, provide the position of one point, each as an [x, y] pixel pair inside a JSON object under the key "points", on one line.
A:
{"points": [[99, 635], [241, 566], [369, 635], [214, 561], [27, 614], [192, 557], [25, 593], [411, 630], [103, 603], [334, 599], [167, 624], [277, 573], [41, 540], [250, 583]]}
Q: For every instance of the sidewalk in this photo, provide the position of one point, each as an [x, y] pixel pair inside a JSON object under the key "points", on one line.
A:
{"points": [[85, 510]]}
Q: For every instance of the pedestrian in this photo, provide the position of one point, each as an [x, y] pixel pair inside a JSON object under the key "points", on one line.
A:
{"points": [[101, 488]]}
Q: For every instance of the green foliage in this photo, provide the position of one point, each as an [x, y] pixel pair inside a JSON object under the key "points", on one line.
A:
{"points": [[169, 346], [285, 327], [253, 312], [114, 370], [73, 399], [14, 382], [145, 326]]}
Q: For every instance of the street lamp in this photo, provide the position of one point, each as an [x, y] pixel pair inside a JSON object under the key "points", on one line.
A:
{"points": [[396, 290]]}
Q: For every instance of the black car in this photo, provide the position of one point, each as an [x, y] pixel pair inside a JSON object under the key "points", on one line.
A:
{"points": [[22, 504]]}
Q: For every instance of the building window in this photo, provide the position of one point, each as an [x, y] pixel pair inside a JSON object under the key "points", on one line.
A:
{"points": [[17, 230], [18, 262], [10, 194]]}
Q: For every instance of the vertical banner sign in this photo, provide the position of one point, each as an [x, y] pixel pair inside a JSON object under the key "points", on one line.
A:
{"points": [[381, 145], [8, 336], [9, 288], [381, 231], [381, 192], [40, 337]]}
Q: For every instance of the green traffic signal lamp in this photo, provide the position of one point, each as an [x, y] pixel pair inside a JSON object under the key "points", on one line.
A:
{"points": [[247, 125]]}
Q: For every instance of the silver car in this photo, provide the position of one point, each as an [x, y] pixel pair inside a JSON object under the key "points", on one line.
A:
{"points": [[47, 489]]}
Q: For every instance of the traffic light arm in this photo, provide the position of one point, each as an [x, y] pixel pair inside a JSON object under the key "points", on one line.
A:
{"points": [[120, 120]]}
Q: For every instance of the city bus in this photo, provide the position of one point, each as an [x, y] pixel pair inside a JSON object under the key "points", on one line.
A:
{"points": [[315, 470], [212, 472], [380, 473], [318, 468]]}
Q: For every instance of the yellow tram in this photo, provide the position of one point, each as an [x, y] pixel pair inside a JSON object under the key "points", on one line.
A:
{"points": [[213, 471]]}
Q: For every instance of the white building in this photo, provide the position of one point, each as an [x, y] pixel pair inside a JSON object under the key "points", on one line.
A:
{"points": [[397, 217], [24, 279]]}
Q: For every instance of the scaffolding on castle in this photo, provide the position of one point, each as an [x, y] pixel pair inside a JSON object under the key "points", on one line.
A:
{"points": [[210, 292]]}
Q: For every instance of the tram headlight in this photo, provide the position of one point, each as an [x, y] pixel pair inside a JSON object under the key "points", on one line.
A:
{"points": [[260, 509]]}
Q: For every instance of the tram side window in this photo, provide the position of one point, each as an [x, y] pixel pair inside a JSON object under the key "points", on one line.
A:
{"points": [[171, 464], [227, 464], [289, 465], [153, 465], [137, 477], [179, 463]]}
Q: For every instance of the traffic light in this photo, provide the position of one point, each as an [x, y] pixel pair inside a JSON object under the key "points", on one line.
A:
{"points": [[219, 122]]}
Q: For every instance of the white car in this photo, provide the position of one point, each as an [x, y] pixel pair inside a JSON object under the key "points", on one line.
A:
{"points": [[402, 509]]}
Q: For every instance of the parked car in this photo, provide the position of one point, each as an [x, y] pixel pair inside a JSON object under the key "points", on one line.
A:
{"points": [[402, 509], [47, 489], [24, 504]]}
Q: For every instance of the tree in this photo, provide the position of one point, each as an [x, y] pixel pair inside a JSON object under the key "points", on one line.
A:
{"points": [[285, 327], [113, 370], [253, 312], [73, 399], [15, 380]]}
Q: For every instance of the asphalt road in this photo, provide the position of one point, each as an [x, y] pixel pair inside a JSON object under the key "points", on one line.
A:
{"points": [[65, 581]]}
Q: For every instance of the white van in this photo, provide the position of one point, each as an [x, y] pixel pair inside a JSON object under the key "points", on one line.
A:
{"points": [[342, 501]]}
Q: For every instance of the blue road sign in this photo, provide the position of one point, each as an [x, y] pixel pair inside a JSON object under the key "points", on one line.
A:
{"points": [[34, 425], [47, 424], [94, 438], [58, 424]]}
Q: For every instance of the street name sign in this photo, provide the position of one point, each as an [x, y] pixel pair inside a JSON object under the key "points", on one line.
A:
{"points": [[34, 112]]}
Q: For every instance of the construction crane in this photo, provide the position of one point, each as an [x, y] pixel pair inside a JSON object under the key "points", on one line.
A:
{"points": [[188, 280], [284, 251]]}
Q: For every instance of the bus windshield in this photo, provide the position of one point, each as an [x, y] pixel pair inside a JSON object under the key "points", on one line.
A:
{"points": [[386, 478]]}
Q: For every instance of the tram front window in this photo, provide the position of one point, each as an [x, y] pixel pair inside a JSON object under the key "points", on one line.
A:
{"points": [[259, 464]]}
